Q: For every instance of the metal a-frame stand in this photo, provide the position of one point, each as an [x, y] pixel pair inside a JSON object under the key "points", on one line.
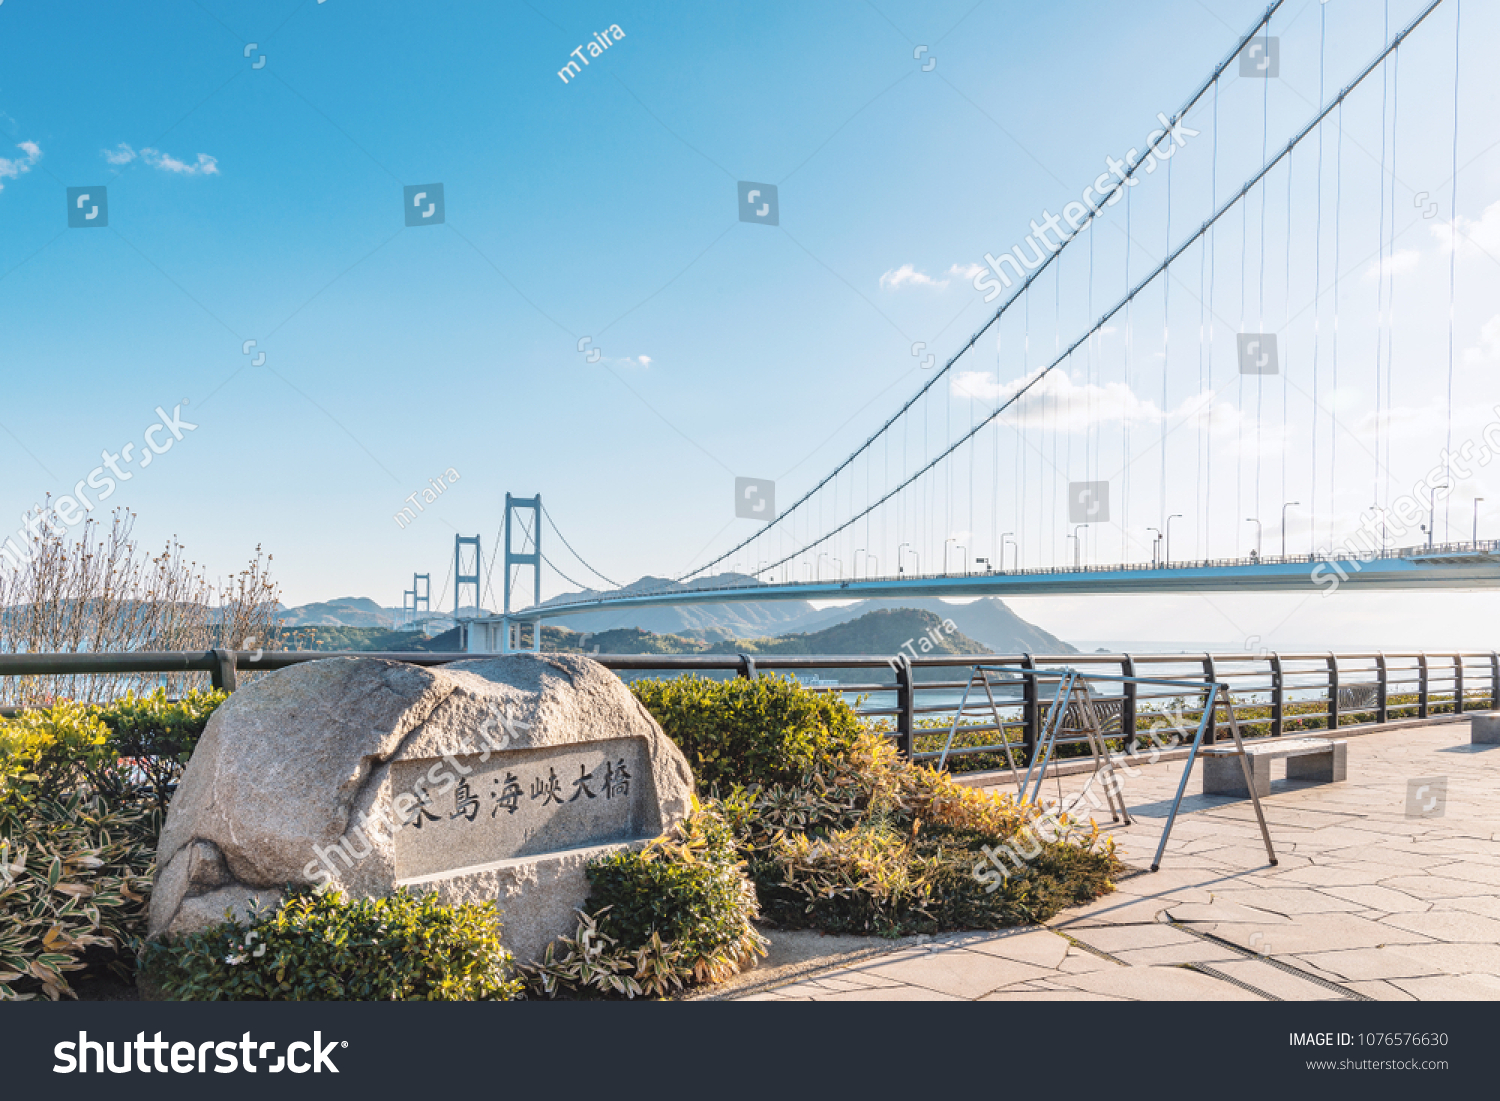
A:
{"points": [[1073, 691], [1218, 696], [981, 674], [1070, 683]]}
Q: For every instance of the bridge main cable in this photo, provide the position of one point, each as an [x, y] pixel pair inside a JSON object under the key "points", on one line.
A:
{"points": [[1105, 199], [1390, 47]]}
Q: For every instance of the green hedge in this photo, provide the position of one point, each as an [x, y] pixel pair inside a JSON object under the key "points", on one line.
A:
{"points": [[157, 735], [676, 913], [320, 946], [762, 730]]}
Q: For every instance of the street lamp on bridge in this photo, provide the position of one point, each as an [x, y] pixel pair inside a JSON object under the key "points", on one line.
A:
{"points": [[1155, 546], [900, 567], [1253, 520], [1476, 521], [1167, 550], [1077, 546], [1432, 512], [1284, 507]]}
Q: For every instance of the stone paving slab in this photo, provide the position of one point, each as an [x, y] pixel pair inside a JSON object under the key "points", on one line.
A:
{"points": [[1154, 983], [1382, 906], [1039, 947], [1366, 964], [954, 971]]}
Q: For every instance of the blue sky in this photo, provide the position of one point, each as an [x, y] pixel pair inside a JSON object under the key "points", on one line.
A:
{"points": [[265, 203]]}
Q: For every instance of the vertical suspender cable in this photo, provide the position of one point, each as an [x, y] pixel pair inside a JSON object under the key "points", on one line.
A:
{"points": [[1452, 258], [1317, 288]]}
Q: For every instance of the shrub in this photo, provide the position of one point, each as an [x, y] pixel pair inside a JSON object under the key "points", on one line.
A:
{"points": [[320, 946], [75, 873], [157, 736], [872, 843], [44, 753], [747, 731], [77, 851], [677, 912]]}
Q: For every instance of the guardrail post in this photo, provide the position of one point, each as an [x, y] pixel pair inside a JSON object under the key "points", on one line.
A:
{"points": [[1127, 707], [1423, 686], [1278, 697], [1333, 691], [1458, 684], [1382, 690], [223, 674], [1029, 716], [747, 667], [1211, 676], [906, 720]]}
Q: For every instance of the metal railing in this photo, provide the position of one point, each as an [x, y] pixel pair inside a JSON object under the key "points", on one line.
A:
{"points": [[917, 700]]}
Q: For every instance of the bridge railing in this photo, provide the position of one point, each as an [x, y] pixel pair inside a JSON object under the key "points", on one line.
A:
{"points": [[916, 702]]}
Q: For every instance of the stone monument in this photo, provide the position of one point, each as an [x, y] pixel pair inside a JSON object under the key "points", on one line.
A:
{"points": [[492, 779]]}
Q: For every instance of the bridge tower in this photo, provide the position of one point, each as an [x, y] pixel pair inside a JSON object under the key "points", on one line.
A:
{"points": [[421, 595], [531, 534], [466, 577]]}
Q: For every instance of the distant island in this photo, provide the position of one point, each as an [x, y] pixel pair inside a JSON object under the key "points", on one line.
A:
{"points": [[752, 626], [886, 632]]}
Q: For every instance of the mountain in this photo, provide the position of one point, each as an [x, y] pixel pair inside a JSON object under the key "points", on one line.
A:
{"points": [[749, 619], [885, 632], [987, 620], [358, 611]]}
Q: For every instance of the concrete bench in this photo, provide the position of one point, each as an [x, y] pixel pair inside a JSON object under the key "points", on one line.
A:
{"points": [[1316, 760], [1484, 728]]}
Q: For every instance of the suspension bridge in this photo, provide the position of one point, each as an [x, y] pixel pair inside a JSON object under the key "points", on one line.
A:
{"points": [[1247, 328]]}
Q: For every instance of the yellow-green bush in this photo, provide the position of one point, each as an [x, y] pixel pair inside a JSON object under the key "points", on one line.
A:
{"points": [[44, 753], [78, 833], [75, 873], [869, 842]]}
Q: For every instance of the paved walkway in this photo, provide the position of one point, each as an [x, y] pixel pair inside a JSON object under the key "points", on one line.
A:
{"points": [[1374, 897]]}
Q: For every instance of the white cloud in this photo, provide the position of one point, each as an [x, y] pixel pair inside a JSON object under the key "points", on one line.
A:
{"points": [[11, 168], [1475, 236], [205, 165], [1397, 262], [640, 363], [906, 275], [1057, 403], [1488, 350]]}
